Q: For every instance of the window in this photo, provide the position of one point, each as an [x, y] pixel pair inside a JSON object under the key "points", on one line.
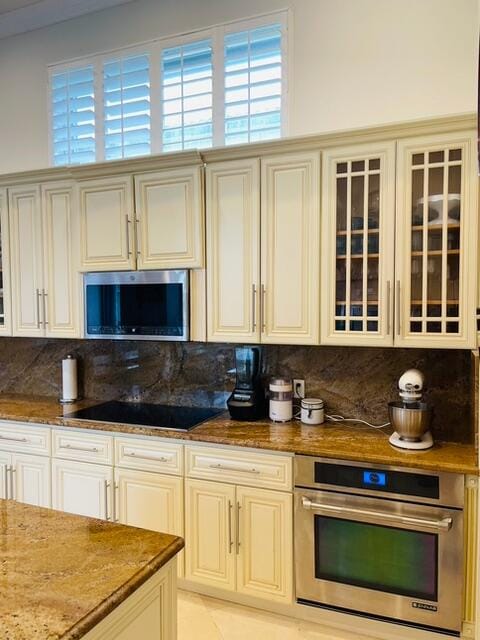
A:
{"points": [[225, 85]]}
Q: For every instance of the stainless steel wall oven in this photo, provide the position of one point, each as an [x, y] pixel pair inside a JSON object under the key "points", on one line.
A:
{"points": [[379, 541]]}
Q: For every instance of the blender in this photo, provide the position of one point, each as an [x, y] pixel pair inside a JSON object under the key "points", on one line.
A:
{"points": [[410, 417]]}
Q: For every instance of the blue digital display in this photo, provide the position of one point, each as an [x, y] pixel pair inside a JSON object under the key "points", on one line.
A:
{"points": [[374, 478]]}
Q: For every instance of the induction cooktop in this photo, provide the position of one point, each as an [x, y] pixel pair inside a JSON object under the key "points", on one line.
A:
{"points": [[157, 416]]}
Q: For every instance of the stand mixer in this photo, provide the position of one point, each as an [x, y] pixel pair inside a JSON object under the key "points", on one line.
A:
{"points": [[411, 417]]}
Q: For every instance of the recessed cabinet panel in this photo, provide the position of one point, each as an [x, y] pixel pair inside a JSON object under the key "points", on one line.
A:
{"points": [[26, 256], [233, 251], [61, 261], [170, 220], [436, 242], [358, 219], [82, 488], [290, 232], [31, 480], [5, 292], [106, 224]]}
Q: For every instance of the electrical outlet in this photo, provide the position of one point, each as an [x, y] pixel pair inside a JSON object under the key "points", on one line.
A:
{"points": [[298, 388]]}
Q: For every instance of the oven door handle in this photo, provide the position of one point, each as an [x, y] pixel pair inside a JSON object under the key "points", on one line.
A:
{"points": [[444, 524]]}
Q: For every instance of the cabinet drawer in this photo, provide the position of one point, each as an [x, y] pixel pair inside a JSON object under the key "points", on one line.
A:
{"points": [[239, 467], [149, 455], [24, 439], [82, 446]]}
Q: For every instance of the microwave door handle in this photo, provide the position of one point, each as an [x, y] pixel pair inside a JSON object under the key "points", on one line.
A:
{"points": [[378, 517]]}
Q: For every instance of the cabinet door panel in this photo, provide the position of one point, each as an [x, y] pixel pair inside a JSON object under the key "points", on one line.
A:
{"points": [[32, 480], [5, 290], [233, 250], [60, 260], [265, 544], [290, 249], [5, 465], [26, 260], [106, 235], [170, 219], [358, 228], [436, 241], [209, 552], [82, 488]]}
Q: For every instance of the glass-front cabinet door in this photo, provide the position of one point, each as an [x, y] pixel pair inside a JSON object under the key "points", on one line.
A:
{"points": [[5, 304], [358, 216], [436, 242]]}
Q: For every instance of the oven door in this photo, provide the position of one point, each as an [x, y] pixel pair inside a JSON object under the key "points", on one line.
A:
{"points": [[382, 558]]}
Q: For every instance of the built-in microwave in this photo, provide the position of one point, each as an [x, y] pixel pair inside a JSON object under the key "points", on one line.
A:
{"points": [[138, 305]]}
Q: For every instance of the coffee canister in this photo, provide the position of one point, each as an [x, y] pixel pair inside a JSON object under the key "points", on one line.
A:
{"points": [[312, 411]]}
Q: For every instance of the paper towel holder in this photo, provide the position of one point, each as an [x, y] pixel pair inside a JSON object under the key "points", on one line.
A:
{"points": [[64, 400]]}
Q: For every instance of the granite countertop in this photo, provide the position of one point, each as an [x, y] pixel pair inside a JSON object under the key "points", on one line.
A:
{"points": [[62, 574], [355, 443]]}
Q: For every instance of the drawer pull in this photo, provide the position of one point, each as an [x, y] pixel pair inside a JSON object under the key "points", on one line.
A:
{"points": [[144, 457], [224, 467], [72, 448], [13, 439]]}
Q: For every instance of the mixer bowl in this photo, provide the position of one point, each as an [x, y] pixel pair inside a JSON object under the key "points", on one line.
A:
{"points": [[410, 421]]}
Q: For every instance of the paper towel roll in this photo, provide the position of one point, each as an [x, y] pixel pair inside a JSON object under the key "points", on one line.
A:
{"points": [[69, 379]]}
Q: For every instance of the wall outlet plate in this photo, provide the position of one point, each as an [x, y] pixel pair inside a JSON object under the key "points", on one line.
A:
{"points": [[298, 388]]}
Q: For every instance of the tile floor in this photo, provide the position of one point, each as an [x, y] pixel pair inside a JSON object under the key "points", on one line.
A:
{"points": [[202, 618]]}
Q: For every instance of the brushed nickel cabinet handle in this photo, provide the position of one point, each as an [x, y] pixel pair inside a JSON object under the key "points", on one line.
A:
{"points": [[144, 457], [254, 307], [5, 481], [389, 296], [12, 483], [397, 306], [72, 448], [115, 510], [106, 486], [137, 235], [238, 527], [128, 222], [37, 293], [44, 300], [263, 293], [224, 467], [230, 541], [9, 439]]}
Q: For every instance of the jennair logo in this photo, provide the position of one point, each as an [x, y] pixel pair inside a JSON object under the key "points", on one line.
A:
{"points": [[423, 605]]}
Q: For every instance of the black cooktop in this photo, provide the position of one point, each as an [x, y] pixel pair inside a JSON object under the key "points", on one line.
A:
{"points": [[158, 416]]}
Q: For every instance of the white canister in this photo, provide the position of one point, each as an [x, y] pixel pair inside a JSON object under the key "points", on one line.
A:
{"points": [[281, 400], [312, 411]]}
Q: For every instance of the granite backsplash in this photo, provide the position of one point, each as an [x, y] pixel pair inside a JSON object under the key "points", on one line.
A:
{"points": [[353, 381]]}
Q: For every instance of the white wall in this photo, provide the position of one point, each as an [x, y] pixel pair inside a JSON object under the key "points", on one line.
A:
{"points": [[353, 63]]}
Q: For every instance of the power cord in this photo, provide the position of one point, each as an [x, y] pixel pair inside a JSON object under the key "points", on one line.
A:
{"points": [[337, 418]]}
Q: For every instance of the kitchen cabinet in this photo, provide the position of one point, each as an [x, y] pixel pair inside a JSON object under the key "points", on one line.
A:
{"points": [[239, 538], [233, 250], [83, 488], [169, 219], [436, 241], [263, 250], [25, 478], [358, 218], [44, 260], [5, 290]]}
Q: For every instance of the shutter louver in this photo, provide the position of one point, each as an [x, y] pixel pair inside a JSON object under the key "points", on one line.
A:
{"points": [[253, 84], [73, 116], [126, 107], [187, 98]]}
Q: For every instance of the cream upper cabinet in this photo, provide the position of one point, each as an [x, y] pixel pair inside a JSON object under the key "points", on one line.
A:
{"points": [[209, 533], [358, 217], [290, 246], [44, 260], [26, 243], [106, 224], [436, 241], [169, 219], [5, 291], [233, 251]]}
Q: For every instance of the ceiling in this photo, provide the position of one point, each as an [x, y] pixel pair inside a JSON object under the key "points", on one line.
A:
{"points": [[20, 16]]}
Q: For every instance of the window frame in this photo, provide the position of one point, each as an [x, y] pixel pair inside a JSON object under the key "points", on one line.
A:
{"points": [[154, 48]]}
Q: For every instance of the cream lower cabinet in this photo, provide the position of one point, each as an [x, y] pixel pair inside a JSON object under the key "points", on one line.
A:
{"points": [[44, 260], [82, 488], [239, 539], [25, 478]]}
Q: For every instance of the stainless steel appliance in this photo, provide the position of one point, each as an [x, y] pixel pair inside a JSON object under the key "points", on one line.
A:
{"points": [[138, 305], [247, 401], [380, 541], [156, 416], [411, 417]]}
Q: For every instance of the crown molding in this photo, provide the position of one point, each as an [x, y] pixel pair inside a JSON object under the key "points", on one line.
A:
{"points": [[47, 12]]}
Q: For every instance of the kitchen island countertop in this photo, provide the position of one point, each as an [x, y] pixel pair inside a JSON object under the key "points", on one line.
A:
{"points": [[63, 574]]}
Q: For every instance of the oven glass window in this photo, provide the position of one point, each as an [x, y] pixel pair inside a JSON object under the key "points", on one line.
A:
{"points": [[376, 557], [139, 309]]}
